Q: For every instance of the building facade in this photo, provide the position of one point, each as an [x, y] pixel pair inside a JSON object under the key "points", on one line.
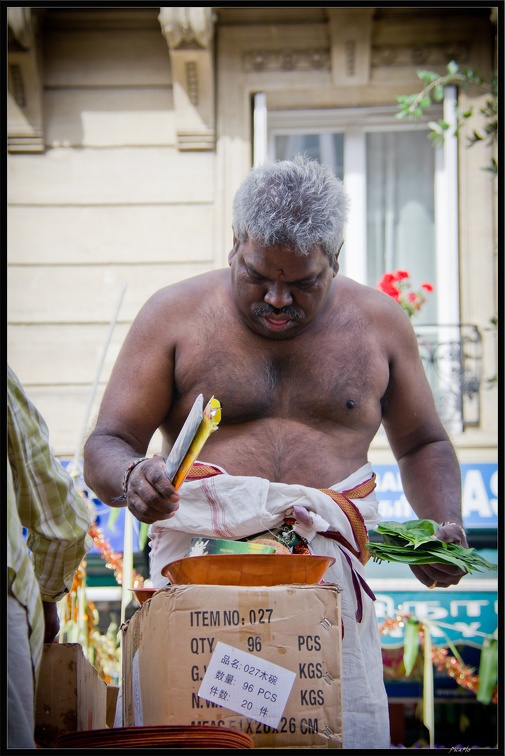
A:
{"points": [[129, 130]]}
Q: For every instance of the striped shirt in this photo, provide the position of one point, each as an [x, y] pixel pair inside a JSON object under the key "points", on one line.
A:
{"points": [[41, 497]]}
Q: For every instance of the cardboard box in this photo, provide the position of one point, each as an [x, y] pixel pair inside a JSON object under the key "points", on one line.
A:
{"points": [[112, 699], [176, 636], [71, 696]]}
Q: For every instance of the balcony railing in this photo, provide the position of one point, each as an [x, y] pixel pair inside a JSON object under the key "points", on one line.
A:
{"points": [[452, 359]]}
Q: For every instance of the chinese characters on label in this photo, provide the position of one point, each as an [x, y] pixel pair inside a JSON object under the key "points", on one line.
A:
{"points": [[247, 684]]}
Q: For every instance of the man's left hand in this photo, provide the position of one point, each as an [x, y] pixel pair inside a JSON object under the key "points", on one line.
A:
{"points": [[443, 575]]}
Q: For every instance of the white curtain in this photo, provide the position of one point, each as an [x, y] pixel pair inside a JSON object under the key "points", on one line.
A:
{"points": [[401, 210]]}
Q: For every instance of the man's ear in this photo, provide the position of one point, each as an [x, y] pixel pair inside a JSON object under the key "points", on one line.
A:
{"points": [[233, 250], [336, 264]]}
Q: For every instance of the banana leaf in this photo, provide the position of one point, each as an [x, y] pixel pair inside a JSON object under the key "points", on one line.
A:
{"points": [[410, 644], [488, 670]]}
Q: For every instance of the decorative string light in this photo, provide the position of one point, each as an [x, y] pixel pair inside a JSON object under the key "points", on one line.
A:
{"points": [[113, 559]]}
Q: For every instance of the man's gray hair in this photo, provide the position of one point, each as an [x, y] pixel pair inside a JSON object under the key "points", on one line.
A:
{"points": [[297, 203]]}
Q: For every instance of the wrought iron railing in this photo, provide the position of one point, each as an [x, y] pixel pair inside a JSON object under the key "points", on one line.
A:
{"points": [[452, 359]]}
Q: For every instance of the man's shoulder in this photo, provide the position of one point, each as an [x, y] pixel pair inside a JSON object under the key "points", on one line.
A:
{"points": [[365, 305], [365, 296], [189, 289]]}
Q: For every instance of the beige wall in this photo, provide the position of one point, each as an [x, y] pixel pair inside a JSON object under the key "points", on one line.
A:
{"points": [[114, 202]]}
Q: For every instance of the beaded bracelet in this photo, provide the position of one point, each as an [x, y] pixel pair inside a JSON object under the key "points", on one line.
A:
{"points": [[128, 472]]}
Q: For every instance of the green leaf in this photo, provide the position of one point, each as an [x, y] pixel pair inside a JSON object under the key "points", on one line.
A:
{"points": [[488, 670], [113, 515], [435, 127], [413, 531], [143, 531], [406, 100], [437, 139], [476, 137], [492, 167], [452, 67], [413, 542], [410, 644], [427, 76], [425, 101], [438, 93]]}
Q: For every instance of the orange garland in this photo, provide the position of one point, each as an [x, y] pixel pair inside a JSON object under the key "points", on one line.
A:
{"points": [[464, 675], [113, 559]]}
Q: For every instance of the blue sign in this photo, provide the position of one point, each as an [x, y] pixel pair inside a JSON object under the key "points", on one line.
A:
{"points": [[460, 616], [479, 495]]}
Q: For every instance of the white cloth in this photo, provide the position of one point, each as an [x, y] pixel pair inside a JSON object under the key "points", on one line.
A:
{"points": [[232, 507]]}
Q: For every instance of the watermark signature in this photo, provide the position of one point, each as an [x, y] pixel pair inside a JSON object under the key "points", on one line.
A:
{"points": [[459, 749]]}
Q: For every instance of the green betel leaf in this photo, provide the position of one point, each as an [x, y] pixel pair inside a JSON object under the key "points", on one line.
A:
{"points": [[444, 557], [410, 645], [412, 531], [395, 540], [413, 542], [488, 670], [390, 526]]}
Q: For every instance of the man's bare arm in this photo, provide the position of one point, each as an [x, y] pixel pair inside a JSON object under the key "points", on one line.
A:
{"points": [[426, 458], [135, 403]]}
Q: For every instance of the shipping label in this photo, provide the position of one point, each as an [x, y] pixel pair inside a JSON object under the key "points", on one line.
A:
{"points": [[247, 684]]}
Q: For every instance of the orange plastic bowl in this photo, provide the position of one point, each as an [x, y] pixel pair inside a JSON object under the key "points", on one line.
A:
{"points": [[248, 569]]}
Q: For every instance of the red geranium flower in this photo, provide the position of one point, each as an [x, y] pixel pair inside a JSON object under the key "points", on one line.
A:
{"points": [[397, 286]]}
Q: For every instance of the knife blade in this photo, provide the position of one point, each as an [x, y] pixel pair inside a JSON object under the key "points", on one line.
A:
{"points": [[184, 439]]}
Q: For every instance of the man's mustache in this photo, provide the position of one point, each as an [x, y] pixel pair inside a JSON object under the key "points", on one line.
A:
{"points": [[260, 310]]}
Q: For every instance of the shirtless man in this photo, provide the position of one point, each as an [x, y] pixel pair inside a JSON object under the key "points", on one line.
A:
{"points": [[307, 364]]}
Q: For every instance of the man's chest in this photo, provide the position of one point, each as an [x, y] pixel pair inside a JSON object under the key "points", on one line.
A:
{"points": [[306, 378]]}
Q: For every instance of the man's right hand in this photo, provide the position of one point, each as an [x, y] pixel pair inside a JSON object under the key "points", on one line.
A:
{"points": [[150, 496]]}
